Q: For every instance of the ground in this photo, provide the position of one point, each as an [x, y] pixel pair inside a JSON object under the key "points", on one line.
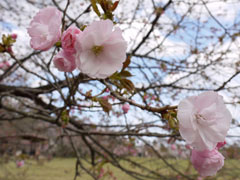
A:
{"points": [[64, 169]]}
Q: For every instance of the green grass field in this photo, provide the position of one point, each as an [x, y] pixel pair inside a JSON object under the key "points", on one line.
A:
{"points": [[64, 169]]}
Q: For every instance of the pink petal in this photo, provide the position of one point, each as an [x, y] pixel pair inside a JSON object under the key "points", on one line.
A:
{"points": [[88, 64], [185, 113], [64, 62]]}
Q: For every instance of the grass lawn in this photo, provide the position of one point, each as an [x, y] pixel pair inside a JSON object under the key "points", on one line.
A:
{"points": [[64, 169]]}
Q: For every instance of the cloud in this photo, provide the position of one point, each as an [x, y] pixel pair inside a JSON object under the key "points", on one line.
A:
{"points": [[226, 12]]}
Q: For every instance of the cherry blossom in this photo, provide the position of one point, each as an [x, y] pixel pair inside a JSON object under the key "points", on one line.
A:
{"points": [[4, 65], [20, 163], [101, 50], [45, 28], [203, 120], [125, 108], [107, 90], [64, 62], [173, 147], [206, 162], [69, 38]]}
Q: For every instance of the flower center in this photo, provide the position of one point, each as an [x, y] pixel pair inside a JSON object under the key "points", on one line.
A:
{"points": [[97, 49], [203, 121]]}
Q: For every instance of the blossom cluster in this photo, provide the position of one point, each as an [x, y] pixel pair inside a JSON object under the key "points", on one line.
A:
{"points": [[98, 51], [204, 122]]}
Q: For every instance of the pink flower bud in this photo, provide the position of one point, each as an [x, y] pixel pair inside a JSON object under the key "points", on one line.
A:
{"points": [[125, 108], [206, 162], [101, 173], [4, 65], [220, 144], [107, 90], [20, 163], [105, 97], [14, 36], [153, 98], [173, 147], [188, 146], [145, 97], [9, 49]]}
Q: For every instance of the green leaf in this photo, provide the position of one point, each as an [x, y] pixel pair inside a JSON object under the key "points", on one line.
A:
{"points": [[2, 49], [95, 8], [4, 39], [83, 27], [65, 117], [115, 76], [58, 44], [7, 40], [163, 67]]}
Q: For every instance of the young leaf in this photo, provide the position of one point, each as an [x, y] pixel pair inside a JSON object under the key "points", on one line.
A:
{"points": [[114, 6], [2, 49], [126, 83], [95, 8], [105, 105], [125, 74], [65, 117]]}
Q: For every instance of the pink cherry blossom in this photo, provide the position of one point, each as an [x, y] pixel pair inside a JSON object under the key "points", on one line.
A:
{"points": [[105, 97], [69, 38], [173, 147], [188, 146], [20, 163], [45, 28], [107, 90], [153, 97], [206, 162], [64, 62], [203, 120], [101, 50], [101, 174], [4, 65], [125, 108], [145, 97]]}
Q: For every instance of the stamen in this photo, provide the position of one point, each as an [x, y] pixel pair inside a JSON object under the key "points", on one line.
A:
{"points": [[97, 49]]}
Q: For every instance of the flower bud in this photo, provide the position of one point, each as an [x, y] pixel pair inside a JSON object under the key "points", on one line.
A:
{"points": [[125, 108]]}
